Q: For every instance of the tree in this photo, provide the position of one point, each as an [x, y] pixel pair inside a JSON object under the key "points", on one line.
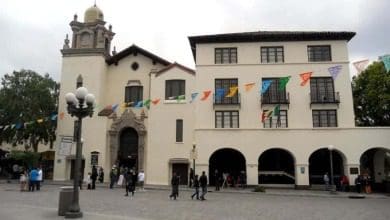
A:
{"points": [[371, 96], [28, 105]]}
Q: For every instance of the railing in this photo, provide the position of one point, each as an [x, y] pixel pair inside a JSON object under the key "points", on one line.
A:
{"points": [[317, 98], [277, 173], [222, 100], [277, 99]]}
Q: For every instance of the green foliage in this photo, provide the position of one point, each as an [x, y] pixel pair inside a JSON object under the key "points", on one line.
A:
{"points": [[29, 159], [26, 96], [371, 96], [259, 189]]}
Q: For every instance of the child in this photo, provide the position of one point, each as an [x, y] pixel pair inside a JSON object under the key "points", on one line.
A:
{"points": [[88, 181], [23, 181]]}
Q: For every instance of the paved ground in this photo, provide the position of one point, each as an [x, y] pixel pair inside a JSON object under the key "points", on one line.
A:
{"points": [[104, 203]]}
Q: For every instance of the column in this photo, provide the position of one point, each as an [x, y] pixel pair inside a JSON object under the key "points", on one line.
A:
{"points": [[302, 176], [252, 174]]}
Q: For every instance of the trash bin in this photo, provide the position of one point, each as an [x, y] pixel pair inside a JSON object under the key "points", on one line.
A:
{"points": [[66, 195]]}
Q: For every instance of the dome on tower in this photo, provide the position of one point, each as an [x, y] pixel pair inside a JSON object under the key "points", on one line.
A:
{"points": [[92, 14]]}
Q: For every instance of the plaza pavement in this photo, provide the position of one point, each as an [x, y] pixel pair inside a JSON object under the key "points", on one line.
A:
{"points": [[154, 203]]}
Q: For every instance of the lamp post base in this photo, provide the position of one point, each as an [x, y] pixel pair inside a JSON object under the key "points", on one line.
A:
{"points": [[74, 214]]}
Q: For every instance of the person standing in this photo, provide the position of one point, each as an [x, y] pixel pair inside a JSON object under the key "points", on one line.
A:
{"points": [[112, 177], [101, 175], [94, 176], [39, 178], [203, 184], [141, 180], [191, 177], [129, 182], [326, 181], [23, 181], [88, 181], [175, 186], [216, 177], [196, 187], [33, 180]]}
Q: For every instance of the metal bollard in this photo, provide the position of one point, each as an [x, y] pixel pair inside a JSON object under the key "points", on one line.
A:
{"points": [[65, 200]]}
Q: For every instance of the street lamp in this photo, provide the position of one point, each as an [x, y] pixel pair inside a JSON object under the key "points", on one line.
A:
{"points": [[332, 186], [193, 155], [80, 105]]}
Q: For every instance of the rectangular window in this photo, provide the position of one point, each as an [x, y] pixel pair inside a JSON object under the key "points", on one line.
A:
{"points": [[324, 118], [225, 55], [274, 95], [272, 55], [227, 119], [277, 121], [133, 94], [179, 130], [174, 88], [226, 84], [322, 90], [319, 53]]}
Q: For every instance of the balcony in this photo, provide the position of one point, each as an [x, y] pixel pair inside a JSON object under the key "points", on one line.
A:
{"points": [[278, 98], [235, 100], [330, 98]]}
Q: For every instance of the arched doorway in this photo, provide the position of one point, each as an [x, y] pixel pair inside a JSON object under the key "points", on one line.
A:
{"points": [[226, 161], [128, 148], [276, 166], [376, 163], [319, 164]]}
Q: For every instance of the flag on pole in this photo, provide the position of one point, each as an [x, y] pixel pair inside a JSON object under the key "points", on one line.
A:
{"points": [[386, 61], [305, 77], [283, 82], [334, 71], [193, 96], [219, 93], [233, 91], [360, 65], [156, 101], [206, 94], [249, 86], [265, 85]]}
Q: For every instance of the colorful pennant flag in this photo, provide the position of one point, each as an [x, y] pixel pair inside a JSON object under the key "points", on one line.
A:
{"points": [[263, 116], [53, 117], [249, 86], [139, 104], [193, 96], [40, 120], [206, 94], [180, 97], [233, 91], [171, 97], [265, 85], [6, 127], [219, 93], [334, 71], [147, 103], [277, 110], [360, 65], [305, 77], [114, 107], [283, 82], [156, 101], [386, 61], [18, 125], [62, 115], [12, 126]]}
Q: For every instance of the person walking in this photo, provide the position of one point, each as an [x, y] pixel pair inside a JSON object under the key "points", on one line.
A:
{"points": [[129, 183], [94, 176], [191, 178], [112, 177], [203, 184], [141, 179], [39, 178], [216, 178], [101, 175], [326, 181], [196, 187], [175, 186]]}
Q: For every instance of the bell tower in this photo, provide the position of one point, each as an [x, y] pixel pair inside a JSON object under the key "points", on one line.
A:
{"points": [[90, 36]]}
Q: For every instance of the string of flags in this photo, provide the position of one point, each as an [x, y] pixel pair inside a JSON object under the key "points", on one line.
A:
{"points": [[220, 93]]}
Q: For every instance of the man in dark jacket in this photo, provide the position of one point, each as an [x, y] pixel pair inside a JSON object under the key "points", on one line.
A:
{"points": [[112, 177], [203, 184], [175, 186], [94, 176], [196, 187]]}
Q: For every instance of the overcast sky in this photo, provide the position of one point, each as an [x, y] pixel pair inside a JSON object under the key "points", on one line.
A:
{"points": [[33, 31]]}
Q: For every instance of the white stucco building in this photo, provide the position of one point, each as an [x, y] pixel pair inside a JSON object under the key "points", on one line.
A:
{"points": [[227, 132]]}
